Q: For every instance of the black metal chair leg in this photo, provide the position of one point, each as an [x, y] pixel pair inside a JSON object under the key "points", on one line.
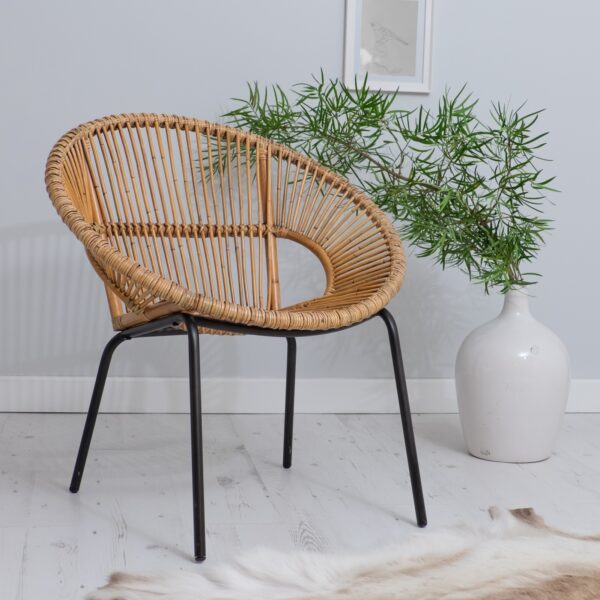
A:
{"points": [[90, 420], [409, 436], [196, 425], [290, 384]]}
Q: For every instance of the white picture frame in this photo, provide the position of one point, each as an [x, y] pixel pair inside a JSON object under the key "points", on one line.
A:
{"points": [[390, 40]]}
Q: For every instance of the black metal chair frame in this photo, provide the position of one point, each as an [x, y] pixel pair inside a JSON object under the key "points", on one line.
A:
{"points": [[171, 325]]}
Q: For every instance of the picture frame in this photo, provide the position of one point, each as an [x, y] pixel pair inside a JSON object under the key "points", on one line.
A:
{"points": [[390, 40]]}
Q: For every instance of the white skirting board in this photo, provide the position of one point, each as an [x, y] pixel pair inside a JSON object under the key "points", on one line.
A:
{"points": [[170, 395]]}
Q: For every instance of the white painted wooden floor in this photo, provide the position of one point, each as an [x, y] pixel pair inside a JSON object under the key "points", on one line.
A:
{"points": [[348, 490]]}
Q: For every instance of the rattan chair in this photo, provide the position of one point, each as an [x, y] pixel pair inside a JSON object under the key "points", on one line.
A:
{"points": [[181, 219]]}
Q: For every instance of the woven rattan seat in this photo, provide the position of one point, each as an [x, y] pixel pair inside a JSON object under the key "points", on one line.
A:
{"points": [[178, 214], [182, 219]]}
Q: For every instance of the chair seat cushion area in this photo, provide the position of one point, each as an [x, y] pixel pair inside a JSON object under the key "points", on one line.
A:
{"points": [[182, 215]]}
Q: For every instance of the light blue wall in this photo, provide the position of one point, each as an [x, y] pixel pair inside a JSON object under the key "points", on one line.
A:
{"points": [[66, 61]]}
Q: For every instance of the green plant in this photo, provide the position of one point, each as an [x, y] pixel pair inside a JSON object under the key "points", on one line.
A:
{"points": [[465, 192]]}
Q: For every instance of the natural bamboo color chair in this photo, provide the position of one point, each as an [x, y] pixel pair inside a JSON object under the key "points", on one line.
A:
{"points": [[181, 219]]}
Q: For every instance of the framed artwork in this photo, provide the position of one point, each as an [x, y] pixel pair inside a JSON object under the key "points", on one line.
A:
{"points": [[390, 40]]}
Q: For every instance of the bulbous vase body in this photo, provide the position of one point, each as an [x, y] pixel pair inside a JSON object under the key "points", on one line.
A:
{"points": [[512, 383]]}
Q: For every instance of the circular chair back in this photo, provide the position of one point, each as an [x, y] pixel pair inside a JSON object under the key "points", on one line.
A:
{"points": [[178, 214]]}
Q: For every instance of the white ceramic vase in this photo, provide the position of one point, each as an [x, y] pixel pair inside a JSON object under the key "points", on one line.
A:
{"points": [[512, 383]]}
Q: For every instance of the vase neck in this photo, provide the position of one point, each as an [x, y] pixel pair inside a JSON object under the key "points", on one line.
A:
{"points": [[516, 303]]}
